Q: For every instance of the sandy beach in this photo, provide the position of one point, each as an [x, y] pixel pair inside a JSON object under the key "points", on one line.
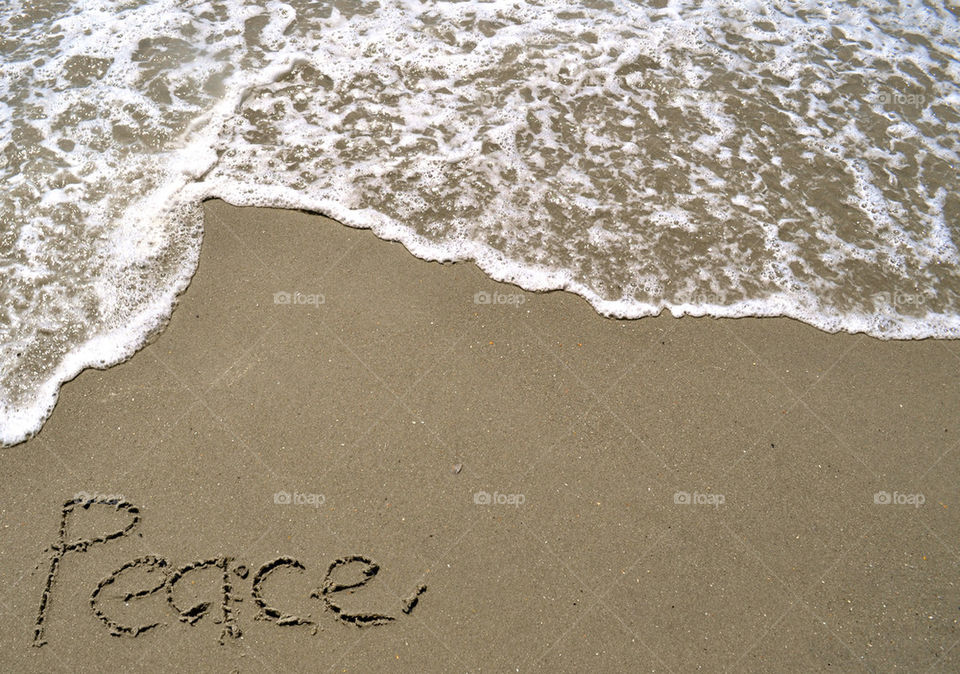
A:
{"points": [[338, 457]]}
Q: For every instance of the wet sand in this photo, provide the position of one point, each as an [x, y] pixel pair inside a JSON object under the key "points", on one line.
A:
{"points": [[511, 481]]}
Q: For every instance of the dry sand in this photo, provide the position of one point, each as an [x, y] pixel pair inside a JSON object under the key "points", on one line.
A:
{"points": [[399, 399]]}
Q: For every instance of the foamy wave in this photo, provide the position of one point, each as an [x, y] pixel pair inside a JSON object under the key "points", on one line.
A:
{"points": [[720, 158]]}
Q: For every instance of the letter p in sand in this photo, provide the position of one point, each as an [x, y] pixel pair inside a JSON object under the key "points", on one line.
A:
{"points": [[60, 549]]}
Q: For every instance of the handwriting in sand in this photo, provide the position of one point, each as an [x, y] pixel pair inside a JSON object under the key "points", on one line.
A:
{"points": [[354, 572]]}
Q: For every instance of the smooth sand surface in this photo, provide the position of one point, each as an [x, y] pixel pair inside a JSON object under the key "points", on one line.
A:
{"points": [[399, 402]]}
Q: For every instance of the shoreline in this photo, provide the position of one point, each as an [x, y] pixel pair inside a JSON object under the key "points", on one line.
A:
{"points": [[92, 354], [552, 477]]}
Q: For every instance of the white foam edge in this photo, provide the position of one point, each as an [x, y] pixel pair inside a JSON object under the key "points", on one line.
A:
{"points": [[120, 344], [543, 279], [99, 352]]}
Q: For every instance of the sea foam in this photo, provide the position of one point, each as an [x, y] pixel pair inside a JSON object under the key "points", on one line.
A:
{"points": [[718, 158]]}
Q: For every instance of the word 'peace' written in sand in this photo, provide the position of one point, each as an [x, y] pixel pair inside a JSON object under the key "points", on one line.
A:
{"points": [[344, 574]]}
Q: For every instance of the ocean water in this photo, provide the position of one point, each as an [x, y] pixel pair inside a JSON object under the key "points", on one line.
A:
{"points": [[724, 158]]}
